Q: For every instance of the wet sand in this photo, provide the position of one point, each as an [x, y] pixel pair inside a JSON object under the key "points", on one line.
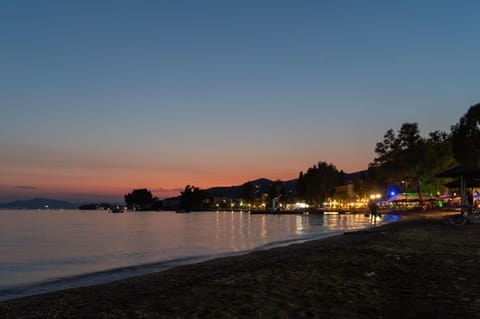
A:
{"points": [[416, 268]]}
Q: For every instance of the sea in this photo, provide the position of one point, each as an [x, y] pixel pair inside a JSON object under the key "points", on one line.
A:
{"points": [[47, 250]]}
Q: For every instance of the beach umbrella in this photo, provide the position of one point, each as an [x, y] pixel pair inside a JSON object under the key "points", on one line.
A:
{"points": [[469, 182], [464, 172], [461, 170], [445, 196], [402, 197]]}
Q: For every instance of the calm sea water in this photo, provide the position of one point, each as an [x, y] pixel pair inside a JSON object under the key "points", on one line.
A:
{"points": [[42, 251]]}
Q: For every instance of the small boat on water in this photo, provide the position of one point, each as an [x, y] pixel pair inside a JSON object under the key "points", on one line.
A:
{"points": [[182, 211], [117, 209]]}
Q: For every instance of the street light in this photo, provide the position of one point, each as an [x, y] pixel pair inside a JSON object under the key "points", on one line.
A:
{"points": [[406, 187]]}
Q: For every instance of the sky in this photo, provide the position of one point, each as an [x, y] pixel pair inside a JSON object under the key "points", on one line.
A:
{"points": [[101, 97]]}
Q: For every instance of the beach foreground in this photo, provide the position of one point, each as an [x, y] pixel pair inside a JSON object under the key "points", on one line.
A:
{"points": [[417, 267]]}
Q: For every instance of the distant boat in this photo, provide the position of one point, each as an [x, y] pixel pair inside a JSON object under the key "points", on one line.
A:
{"points": [[117, 209], [182, 211]]}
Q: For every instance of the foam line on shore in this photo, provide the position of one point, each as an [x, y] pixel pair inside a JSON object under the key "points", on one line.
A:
{"points": [[115, 274], [106, 276]]}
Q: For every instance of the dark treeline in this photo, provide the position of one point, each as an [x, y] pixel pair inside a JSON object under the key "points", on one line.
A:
{"points": [[317, 184], [142, 199], [405, 160], [193, 198]]}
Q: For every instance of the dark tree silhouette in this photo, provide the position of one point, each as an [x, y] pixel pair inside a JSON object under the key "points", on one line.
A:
{"points": [[408, 157], [139, 199], [318, 183], [192, 198], [400, 156], [465, 136], [248, 193]]}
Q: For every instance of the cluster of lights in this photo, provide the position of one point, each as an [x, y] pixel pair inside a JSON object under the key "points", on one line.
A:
{"points": [[301, 205], [342, 204], [355, 204]]}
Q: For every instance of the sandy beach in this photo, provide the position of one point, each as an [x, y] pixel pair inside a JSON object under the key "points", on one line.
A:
{"points": [[415, 268]]}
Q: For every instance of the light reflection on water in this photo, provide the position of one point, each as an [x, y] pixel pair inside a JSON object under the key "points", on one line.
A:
{"points": [[39, 246]]}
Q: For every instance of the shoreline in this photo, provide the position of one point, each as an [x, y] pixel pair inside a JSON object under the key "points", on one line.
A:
{"points": [[108, 275], [414, 267], [102, 277]]}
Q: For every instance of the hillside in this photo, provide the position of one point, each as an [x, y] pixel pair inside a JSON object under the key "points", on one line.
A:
{"points": [[38, 203], [263, 185]]}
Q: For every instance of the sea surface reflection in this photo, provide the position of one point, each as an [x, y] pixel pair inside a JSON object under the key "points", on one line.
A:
{"points": [[47, 250]]}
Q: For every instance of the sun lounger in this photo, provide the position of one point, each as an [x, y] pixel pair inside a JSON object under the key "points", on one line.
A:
{"points": [[472, 218]]}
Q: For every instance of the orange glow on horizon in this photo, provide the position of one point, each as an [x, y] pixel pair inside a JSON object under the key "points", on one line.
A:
{"points": [[80, 179]]}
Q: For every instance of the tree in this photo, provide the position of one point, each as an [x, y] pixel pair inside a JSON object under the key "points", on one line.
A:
{"points": [[139, 199], [408, 157], [248, 193], [465, 137], [400, 156], [192, 198], [276, 191], [318, 183], [360, 185], [438, 157], [301, 186]]}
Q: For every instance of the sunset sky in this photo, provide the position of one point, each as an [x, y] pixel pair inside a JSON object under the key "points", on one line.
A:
{"points": [[100, 97]]}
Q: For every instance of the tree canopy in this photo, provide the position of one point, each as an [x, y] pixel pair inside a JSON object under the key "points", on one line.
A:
{"points": [[465, 136], [248, 193], [318, 183], [139, 199], [192, 198], [407, 157]]}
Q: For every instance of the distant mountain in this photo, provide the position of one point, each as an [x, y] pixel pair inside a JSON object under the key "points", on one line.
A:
{"points": [[263, 185], [38, 203], [349, 177]]}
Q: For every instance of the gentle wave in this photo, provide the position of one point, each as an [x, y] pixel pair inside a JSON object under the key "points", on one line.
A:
{"points": [[102, 277], [89, 278]]}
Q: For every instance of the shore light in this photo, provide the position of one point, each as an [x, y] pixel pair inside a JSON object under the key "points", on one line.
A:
{"points": [[301, 205]]}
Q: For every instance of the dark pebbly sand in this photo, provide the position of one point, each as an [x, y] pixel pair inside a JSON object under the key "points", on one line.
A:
{"points": [[416, 268]]}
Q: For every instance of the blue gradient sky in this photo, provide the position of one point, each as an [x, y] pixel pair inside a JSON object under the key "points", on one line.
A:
{"points": [[100, 97]]}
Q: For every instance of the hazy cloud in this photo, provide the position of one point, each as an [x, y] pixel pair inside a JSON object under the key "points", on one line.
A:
{"points": [[25, 187]]}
